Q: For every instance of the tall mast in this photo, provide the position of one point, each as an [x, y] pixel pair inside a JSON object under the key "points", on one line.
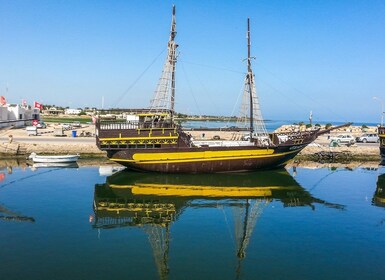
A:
{"points": [[165, 92], [250, 79], [250, 113], [173, 46]]}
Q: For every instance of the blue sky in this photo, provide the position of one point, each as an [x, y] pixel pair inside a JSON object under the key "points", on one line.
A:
{"points": [[324, 56]]}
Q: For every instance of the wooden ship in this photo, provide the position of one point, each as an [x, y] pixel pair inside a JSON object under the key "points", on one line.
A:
{"points": [[151, 140]]}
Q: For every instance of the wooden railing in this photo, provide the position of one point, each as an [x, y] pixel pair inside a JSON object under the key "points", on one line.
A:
{"points": [[116, 125]]}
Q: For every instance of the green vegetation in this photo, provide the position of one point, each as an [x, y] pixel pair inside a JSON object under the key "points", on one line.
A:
{"points": [[53, 119], [46, 106], [184, 117], [328, 125], [181, 116]]}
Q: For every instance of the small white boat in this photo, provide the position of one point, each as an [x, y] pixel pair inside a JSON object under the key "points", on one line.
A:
{"points": [[54, 159]]}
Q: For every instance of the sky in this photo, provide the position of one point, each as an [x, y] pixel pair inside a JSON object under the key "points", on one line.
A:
{"points": [[323, 56]]}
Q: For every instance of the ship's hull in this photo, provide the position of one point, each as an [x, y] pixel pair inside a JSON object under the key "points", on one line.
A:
{"points": [[382, 155], [381, 134], [382, 152], [206, 159]]}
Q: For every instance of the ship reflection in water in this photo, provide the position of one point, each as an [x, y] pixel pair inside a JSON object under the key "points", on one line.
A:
{"points": [[379, 195], [155, 201]]}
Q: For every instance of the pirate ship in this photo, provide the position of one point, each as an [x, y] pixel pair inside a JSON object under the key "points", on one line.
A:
{"points": [[151, 140]]}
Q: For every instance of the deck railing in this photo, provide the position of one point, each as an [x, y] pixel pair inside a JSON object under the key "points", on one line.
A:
{"points": [[116, 125]]}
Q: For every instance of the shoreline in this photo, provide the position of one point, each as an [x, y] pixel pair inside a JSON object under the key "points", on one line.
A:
{"points": [[22, 162], [314, 153], [46, 143]]}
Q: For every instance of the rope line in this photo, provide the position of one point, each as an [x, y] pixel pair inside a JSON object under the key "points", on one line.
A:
{"points": [[137, 79]]}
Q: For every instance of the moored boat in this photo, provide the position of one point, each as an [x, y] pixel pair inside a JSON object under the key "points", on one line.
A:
{"points": [[150, 139], [53, 158]]}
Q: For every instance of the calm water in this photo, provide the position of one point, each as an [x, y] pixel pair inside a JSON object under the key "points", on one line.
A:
{"points": [[74, 223]]}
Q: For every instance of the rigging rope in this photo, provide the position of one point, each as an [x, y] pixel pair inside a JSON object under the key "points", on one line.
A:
{"points": [[215, 67], [189, 85], [27, 177], [236, 104], [298, 91], [137, 79]]}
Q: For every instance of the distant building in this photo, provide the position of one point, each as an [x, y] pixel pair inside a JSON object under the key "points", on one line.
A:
{"points": [[53, 111], [17, 115], [91, 111], [72, 111]]}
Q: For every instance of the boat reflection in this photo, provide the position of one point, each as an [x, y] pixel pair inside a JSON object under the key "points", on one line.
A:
{"points": [[24, 164], [54, 165], [5, 213], [9, 215], [379, 195], [154, 201]]}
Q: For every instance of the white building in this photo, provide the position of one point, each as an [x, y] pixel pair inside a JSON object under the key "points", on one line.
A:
{"points": [[17, 115], [72, 111], [3, 114]]}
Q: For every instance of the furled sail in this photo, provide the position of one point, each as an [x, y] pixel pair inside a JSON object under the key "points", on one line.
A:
{"points": [[250, 113]]}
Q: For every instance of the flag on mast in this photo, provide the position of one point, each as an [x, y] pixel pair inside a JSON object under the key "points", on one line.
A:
{"points": [[2, 100], [38, 105]]}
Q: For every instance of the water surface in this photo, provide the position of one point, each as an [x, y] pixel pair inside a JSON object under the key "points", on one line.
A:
{"points": [[73, 223]]}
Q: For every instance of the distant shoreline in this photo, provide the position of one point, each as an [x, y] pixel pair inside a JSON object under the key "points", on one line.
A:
{"points": [[85, 119]]}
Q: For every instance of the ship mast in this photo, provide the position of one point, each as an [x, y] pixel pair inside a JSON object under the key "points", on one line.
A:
{"points": [[159, 237], [165, 91], [245, 220], [249, 78], [173, 46], [250, 110]]}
